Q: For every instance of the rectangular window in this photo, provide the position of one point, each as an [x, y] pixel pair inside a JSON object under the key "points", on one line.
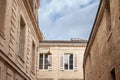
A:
{"points": [[45, 61], [71, 61], [21, 38], [68, 61], [33, 56], [41, 61]]}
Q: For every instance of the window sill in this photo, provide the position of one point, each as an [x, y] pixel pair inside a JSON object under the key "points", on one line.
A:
{"points": [[44, 70], [68, 70]]}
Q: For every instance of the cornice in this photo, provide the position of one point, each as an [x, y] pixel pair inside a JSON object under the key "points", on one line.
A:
{"points": [[33, 20], [63, 43]]}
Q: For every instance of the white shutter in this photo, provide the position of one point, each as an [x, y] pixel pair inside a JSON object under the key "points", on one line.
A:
{"points": [[61, 61], [50, 62], [75, 61]]}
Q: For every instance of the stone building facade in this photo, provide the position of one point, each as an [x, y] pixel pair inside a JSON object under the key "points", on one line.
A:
{"points": [[60, 59], [19, 38], [102, 55]]}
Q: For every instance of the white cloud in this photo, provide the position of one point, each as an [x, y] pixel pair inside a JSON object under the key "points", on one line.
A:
{"points": [[65, 19]]}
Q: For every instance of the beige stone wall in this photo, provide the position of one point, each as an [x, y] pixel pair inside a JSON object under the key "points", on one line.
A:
{"points": [[56, 50], [102, 54], [13, 66]]}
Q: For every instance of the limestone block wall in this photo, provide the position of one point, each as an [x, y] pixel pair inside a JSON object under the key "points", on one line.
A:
{"points": [[101, 61], [56, 73], [12, 65]]}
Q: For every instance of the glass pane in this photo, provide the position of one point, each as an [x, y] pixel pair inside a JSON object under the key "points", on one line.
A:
{"points": [[71, 56], [41, 61], [71, 61], [71, 66], [66, 66], [46, 61], [40, 66], [46, 67], [66, 61]]}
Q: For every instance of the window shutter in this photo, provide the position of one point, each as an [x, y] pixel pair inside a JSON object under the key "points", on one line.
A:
{"points": [[61, 61], [50, 64], [75, 61]]}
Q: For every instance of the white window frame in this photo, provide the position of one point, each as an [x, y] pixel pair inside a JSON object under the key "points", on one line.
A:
{"points": [[74, 62], [49, 67]]}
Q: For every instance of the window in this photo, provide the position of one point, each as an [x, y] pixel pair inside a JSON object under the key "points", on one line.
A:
{"points": [[113, 74], [45, 61], [21, 38], [68, 61], [33, 56], [108, 15]]}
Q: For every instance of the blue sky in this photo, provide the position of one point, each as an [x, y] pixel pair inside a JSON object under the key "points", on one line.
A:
{"points": [[66, 19]]}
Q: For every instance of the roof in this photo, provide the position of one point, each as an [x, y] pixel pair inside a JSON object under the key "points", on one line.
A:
{"points": [[63, 43]]}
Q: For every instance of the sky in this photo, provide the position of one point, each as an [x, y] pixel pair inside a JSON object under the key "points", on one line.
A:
{"points": [[66, 19]]}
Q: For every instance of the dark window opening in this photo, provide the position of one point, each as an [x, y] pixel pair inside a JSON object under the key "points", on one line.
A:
{"points": [[46, 62], [71, 61], [108, 15], [68, 61], [41, 61], [113, 74]]}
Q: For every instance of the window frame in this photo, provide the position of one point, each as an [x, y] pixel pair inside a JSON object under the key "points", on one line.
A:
{"points": [[61, 62], [43, 62], [68, 61]]}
